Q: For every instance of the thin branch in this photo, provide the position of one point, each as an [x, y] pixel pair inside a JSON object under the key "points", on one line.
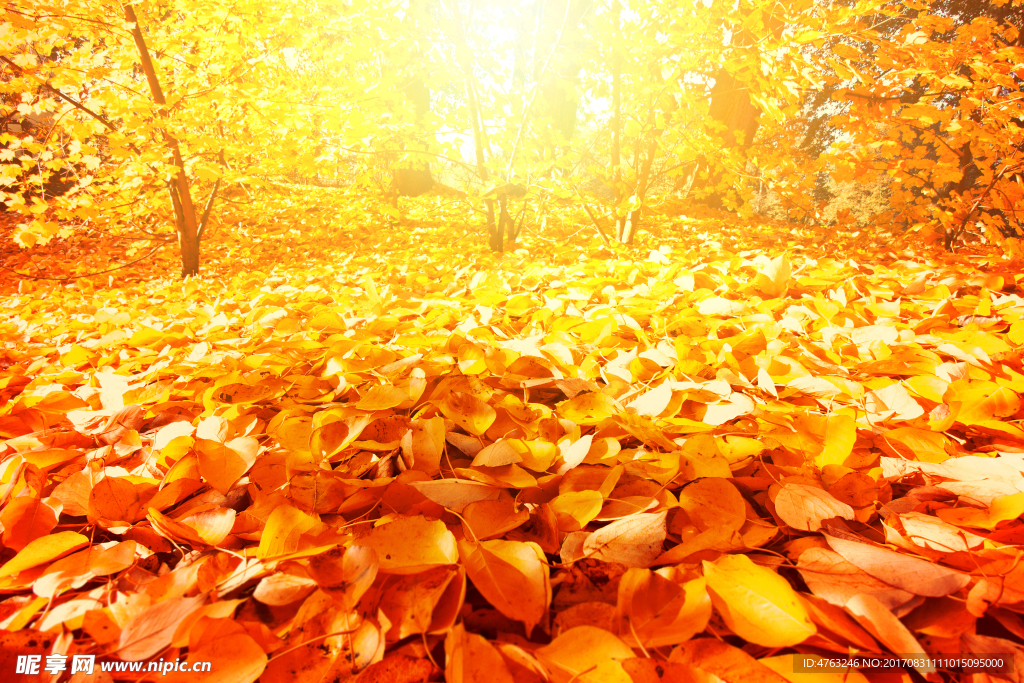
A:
{"points": [[77, 105], [76, 277], [206, 210], [590, 213]]}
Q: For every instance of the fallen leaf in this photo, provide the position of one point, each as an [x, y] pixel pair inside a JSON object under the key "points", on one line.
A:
{"points": [[911, 574], [512, 576], [805, 507], [586, 654], [756, 603], [634, 541]]}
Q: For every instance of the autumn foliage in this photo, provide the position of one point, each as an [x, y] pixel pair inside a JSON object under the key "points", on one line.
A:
{"points": [[567, 463], [482, 366]]}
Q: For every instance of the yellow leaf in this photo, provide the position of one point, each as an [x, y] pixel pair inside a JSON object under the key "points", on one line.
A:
{"points": [[721, 307], [409, 545], [912, 443], [382, 397], [589, 408], [468, 411], [983, 404], [281, 534], [773, 280], [756, 603], [575, 509], [43, 550]]}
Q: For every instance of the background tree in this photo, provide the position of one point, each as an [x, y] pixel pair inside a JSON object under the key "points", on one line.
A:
{"points": [[929, 98], [181, 115]]}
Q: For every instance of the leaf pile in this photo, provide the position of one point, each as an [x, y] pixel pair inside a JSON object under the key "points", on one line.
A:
{"points": [[569, 464]]}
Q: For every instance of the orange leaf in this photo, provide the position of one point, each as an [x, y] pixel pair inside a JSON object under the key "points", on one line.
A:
{"points": [[469, 658], [26, 519], [152, 629], [512, 576], [805, 507]]}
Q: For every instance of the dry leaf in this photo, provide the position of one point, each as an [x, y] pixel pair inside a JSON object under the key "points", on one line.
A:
{"points": [[512, 576], [756, 603], [805, 507], [907, 573], [586, 654], [634, 541]]}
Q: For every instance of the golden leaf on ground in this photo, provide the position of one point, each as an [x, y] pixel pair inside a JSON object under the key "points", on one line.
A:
{"points": [[713, 502], [283, 589], [512, 576], [911, 574], [359, 439], [152, 629], [634, 541], [586, 654], [410, 600], [773, 279], [222, 641], [114, 499], [469, 658], [42, 550], [491, 518], [409, 545], [26, 519], [223, 464], [883, 625], [723, 661], [345, 573], [756, 603], [382, 397], [830, 576], [284, 527], [467, 411], [659, 611], [456, 494], [1002, 509], [805, 507]]}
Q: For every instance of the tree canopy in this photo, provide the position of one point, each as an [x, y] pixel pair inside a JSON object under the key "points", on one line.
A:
{"points": [[181, 115]]}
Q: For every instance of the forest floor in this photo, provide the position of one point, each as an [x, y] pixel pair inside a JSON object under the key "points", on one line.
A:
{"points": [[390, 455]]}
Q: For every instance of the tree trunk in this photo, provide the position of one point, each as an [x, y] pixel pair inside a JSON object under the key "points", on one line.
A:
{"points": [[633, 222], [617, 129], [494, 236], [185, 210]]}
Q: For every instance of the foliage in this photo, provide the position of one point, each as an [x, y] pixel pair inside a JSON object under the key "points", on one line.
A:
{"points": [[931, 95], [402, 455], [190, 113], [153, 112], [362, 447]]}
